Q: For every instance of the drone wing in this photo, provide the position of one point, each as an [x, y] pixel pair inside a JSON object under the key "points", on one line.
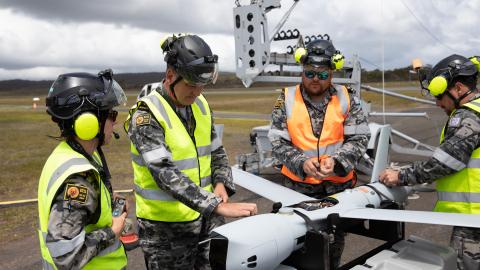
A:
{"points": [[267, 189], [437, 218]]}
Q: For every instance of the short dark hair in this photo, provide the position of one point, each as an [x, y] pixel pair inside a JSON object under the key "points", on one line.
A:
{"points": [[468, 81]]}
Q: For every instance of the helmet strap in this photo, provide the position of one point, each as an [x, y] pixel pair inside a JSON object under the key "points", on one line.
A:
{"points": [[455, 101], [108, 176], [463, 96], [172, 85], [101, 168]]}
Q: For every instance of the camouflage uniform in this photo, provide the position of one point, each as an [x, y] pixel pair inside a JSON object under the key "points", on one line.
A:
{"points": [[462, 137], [174, 245], [68, 218], [346, 157]]}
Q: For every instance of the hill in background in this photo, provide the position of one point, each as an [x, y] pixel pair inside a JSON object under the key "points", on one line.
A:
{"points": [[135, 81]]}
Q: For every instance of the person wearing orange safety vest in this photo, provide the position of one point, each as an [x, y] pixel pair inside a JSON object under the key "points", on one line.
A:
{"points": [[455, 163], [319, 131], [77, 229]]}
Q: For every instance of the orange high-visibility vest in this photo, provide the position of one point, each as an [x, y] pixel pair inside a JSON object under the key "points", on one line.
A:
{"points": [[301, 131]]}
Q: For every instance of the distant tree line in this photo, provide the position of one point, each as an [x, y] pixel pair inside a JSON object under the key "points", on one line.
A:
{"points": [[398, 74], [132, 81]]}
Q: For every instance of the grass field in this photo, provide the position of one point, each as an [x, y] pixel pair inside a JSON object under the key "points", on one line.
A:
{"points": [[25, 146]]}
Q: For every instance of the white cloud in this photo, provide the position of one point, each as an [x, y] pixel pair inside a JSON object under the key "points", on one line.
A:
{"points": [[37, 43]]}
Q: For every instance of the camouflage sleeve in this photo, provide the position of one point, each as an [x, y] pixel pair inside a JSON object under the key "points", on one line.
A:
{"points": [[282, 147], [68, 218], [356, 136], [149, 139], [462, 137], [221, 171]]}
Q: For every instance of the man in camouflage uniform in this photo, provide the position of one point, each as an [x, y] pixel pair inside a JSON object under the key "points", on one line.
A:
{"points": [[75, 194], [171, 241], [332, 169], [454, 164]]}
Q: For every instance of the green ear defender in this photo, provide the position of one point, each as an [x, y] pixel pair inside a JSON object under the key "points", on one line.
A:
{"points": [[438, 85], [86, 126]]}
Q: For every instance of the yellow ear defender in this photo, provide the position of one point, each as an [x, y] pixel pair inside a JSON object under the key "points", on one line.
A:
{"points": [[475, 60], [438, 85], [338, 60], [300, 54], [86, 126]]}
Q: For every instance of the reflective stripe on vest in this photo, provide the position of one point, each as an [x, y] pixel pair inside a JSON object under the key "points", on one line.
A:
{"points": [[192, 156], [62, 247], [160, 195], [301, 132], [459, 192], [62, 163]]}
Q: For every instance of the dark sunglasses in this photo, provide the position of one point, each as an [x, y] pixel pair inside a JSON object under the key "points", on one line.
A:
{"points": [[322, 75], [113, 115]]}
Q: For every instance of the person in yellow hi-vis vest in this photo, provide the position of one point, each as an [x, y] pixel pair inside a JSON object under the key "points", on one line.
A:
{"points": [[455, 164], [77, 229], [181, 172]]}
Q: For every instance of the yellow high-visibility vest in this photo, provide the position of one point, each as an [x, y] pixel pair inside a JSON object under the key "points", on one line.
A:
{"points": [[192, 156], [460, 192], [62, 163]]}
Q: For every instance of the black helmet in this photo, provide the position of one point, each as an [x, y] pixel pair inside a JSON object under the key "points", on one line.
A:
{"points": [[320, 52], [74, 93], [442, 75], [192, 59], [455, 65]]}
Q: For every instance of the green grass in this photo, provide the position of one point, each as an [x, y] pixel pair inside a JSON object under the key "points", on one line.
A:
{"points": [[25, 147]]}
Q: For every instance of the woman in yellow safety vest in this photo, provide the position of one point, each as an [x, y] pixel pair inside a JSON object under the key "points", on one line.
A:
{"points": [[77, 230]]}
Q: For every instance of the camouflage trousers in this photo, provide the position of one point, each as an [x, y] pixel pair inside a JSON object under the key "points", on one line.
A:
{"points": [[466, 241], [320, 191], [177, 245]]}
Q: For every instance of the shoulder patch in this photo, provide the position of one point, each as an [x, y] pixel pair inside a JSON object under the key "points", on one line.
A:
{"points": [[76, 193], [143, 119], [454, 122]]}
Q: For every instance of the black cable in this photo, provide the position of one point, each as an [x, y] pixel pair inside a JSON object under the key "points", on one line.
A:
{"points": [[425, 28], [380, 194], [76, 146]]}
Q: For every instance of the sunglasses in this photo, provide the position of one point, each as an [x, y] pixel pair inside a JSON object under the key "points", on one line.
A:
{"points": [[322, 75], [113, 115]]}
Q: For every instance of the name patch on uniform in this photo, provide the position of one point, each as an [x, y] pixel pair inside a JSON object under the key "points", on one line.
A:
{"points": [[455, 122], [76, 193], [143, 119]]}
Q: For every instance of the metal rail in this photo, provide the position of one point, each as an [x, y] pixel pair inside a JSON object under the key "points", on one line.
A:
{"points": [[16, 203], [393, 94]]}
